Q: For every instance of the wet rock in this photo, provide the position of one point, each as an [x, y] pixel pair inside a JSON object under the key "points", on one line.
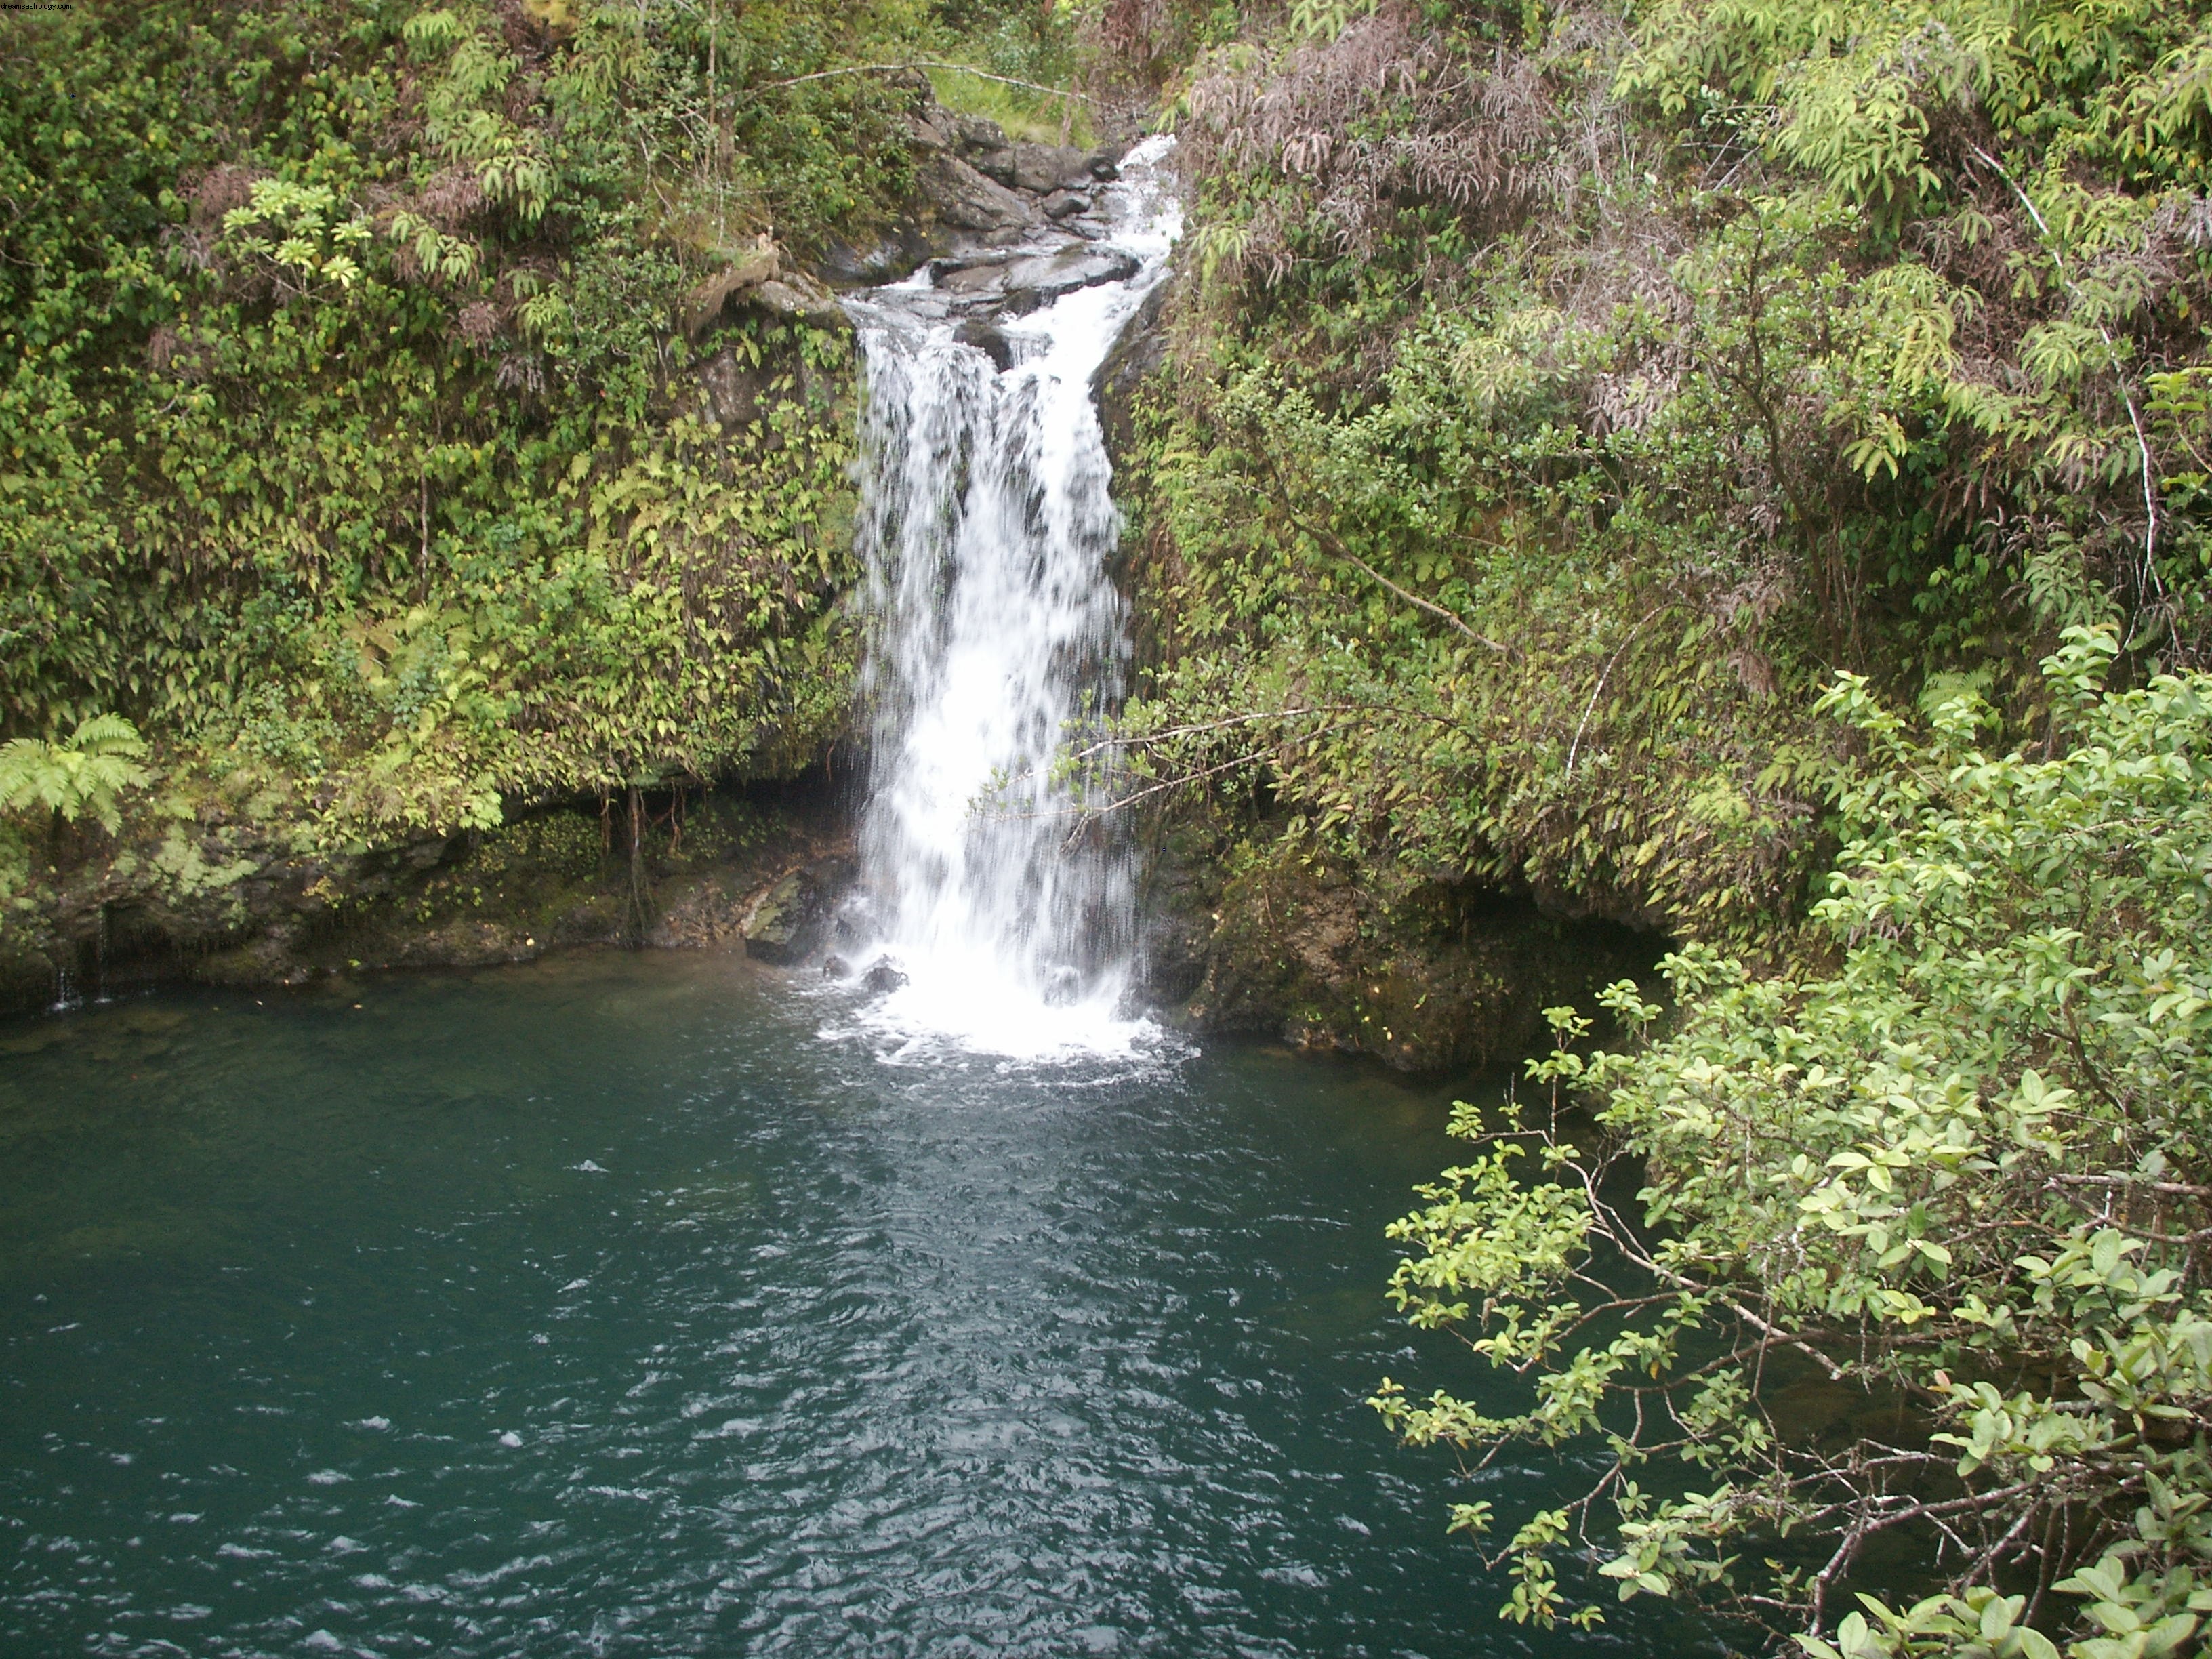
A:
{"points": [[786, 923], [1138, 353], [1041, 167], [835, 967], [990, 341], [885, 260], [884, 976], [968, 276], [1061, 204], [985, 144], [789, 919], [803, 299], [957, 195], [1334, 957], [932, 126], [996, 165], [1042, 279], [1105, 162], [856, 921]]}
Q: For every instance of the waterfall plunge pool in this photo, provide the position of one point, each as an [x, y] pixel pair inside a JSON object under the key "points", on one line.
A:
{"points": [[600, 1307]]}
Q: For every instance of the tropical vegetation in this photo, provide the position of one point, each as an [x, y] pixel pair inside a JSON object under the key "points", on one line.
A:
{"points": [[1732, 467], [1653, 456]]}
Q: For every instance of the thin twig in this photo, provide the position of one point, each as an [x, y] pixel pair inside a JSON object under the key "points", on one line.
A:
{"points": [[1329, 540], [1605, 674], [2175, 1189], [2127, 394]]}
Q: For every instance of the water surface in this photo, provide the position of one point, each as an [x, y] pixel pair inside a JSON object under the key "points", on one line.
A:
{"points": [[601, 1306]]}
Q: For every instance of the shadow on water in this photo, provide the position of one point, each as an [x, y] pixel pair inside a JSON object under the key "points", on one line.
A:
{"points": [[601, 1306]]}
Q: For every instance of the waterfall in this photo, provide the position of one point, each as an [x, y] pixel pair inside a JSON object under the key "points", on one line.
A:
{"points": [[992, 913]]}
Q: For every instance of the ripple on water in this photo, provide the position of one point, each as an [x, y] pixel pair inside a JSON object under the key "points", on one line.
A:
{"points": [[683, 1332]]}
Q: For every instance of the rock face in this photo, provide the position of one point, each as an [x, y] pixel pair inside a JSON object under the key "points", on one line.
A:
{"points": [[787, 922], [966, 198], [1268, 937], [977, 189], [221, 901], [1013, 283]]}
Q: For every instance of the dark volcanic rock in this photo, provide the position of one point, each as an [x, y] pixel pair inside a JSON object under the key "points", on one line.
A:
{"points": [[804, 300], [885, 259], [986, 147], [789, 919], [971, 279], [1042, 167], [1042, 278], [1062, 203], [990, 341], [1140, 351], [785, 922], [1424, 975], [958, 195]]}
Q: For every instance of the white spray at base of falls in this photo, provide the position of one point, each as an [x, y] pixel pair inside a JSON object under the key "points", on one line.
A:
{"points": [[988, 527]]}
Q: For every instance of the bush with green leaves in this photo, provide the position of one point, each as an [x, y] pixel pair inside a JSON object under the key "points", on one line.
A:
{"points": [[343, 391], [1890, 1278], [1561, 393]]}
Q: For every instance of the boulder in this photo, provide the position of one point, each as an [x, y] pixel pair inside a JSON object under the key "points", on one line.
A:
{"points": [[788, 920], [963, 275], [1042, 278], [990, 341], [933, 127], [784, 924], [956, 194], [884, 258], [1062, 203], [802, 299], [759, 261], [1040, 168], [978, 132], [736, 393]]}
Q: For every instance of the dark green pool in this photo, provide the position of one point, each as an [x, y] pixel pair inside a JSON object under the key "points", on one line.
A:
{"points": [[602, 1306]]}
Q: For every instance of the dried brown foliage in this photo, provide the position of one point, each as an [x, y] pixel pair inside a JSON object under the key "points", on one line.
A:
{"points": [[1131, 35], [477, 323], [219, 191], [451, 198], [1390, 113]]}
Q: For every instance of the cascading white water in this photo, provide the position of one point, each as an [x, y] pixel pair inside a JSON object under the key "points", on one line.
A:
{"points": [[986, 526]]}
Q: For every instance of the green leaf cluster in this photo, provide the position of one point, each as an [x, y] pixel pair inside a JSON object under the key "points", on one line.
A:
{"points": [[1561, 394], [1920, 1246], [346, 430]]}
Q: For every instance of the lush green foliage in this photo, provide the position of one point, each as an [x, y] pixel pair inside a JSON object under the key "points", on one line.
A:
{"points": [[1920, 1246], [348, 433], [1560, 397], [1562, 392]]}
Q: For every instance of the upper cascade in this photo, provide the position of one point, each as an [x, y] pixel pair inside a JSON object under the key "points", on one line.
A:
{"points": [[992, 913]]}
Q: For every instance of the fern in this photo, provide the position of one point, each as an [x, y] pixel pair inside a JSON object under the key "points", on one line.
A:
{"points": [[83, 776]]}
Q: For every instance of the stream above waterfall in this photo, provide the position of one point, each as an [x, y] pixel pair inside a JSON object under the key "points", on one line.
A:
{"points": [[597, 1307]]}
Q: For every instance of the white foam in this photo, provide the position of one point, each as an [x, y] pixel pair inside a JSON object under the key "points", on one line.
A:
{"points": [[988, 525]]}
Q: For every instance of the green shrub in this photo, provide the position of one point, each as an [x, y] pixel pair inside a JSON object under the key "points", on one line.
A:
{"points": [[1956, 1192]]}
